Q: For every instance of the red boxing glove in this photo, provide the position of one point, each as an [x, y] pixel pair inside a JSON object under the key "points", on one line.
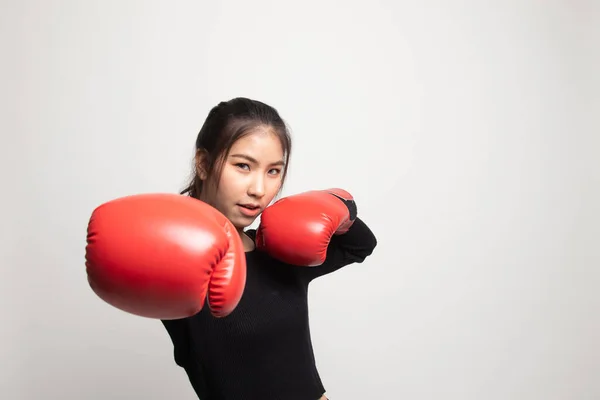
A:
{"points": [[159, 255], [297, 229]]}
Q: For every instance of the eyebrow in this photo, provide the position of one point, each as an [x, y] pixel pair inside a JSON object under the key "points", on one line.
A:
{"points": [[253, 160]]}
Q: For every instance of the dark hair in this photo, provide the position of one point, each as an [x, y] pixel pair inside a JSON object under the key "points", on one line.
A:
{"points": [[225, 124]]}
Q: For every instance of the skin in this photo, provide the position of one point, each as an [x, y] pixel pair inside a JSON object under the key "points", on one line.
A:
{"points": [[252, 174]]}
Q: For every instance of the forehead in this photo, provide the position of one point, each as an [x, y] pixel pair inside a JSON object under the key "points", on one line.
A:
{"points": [[262, 144]]}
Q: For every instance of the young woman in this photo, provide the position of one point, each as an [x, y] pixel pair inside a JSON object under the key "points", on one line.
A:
{"points": [[162, 255], [262, 350]]}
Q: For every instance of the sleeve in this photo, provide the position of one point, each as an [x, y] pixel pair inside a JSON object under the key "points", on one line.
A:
{"points": [[353, 246], [179, 334]]}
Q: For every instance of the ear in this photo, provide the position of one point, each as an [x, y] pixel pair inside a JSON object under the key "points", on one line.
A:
{"points": [[201, 164]]}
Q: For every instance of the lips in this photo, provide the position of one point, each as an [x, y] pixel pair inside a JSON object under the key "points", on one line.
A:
{"points": [[249, 210], [250, 206]]}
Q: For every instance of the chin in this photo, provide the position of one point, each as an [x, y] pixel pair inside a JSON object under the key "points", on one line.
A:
{"points": [[242, 223]]}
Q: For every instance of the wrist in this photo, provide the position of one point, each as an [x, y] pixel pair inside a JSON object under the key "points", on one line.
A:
{"points": [[352, 211]]}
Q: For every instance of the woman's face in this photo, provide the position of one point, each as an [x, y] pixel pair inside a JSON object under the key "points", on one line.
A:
{"points": [[250, 178]]}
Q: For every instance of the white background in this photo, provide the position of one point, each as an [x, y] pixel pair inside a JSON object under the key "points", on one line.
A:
{"points": [[467, 131]]}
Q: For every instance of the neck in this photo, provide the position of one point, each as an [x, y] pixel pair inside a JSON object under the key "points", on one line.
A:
{"points": [[246, 241]]}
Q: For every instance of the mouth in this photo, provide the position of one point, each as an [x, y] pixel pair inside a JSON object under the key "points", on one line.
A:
{"points": [[249, 210], [250, 207]]}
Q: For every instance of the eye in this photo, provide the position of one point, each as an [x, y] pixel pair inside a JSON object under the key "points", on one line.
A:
{"points": [[274, 171], [243, 166]]}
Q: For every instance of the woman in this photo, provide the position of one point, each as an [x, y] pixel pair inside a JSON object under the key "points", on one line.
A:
{"points": [[262, 350]]}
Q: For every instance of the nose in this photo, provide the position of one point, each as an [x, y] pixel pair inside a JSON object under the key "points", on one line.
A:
{"points": [[257, 186]]}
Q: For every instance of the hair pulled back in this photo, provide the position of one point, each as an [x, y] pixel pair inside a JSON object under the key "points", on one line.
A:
{"points": [[228, 122]]}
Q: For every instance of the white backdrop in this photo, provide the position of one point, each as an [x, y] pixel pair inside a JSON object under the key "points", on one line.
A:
{"points": [[466, 131]]}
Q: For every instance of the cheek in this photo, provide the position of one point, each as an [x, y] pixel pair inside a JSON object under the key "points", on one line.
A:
{"points": [[273, 188], [230, 185]]}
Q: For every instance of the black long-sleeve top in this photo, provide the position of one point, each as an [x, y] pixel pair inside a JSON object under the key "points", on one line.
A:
{"points": [[263, 349]]}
